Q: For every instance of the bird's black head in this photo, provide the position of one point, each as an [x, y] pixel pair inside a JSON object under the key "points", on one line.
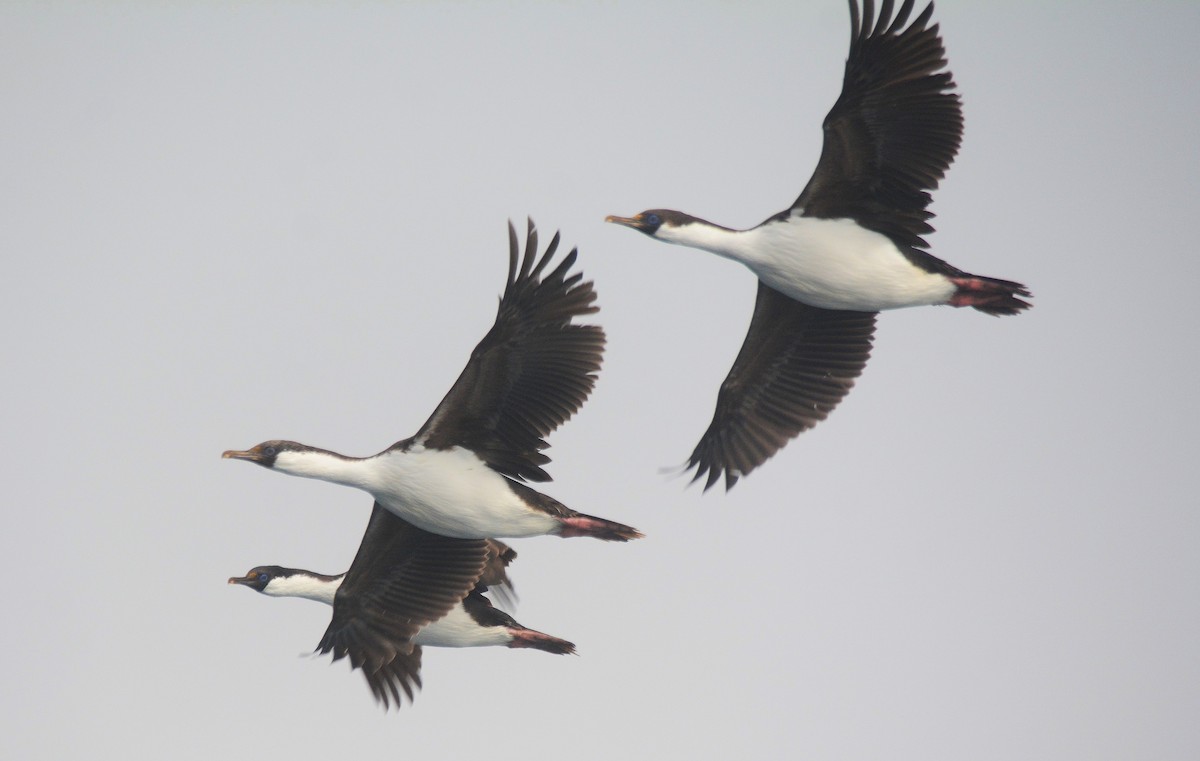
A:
{"points": [[652, 220], [259, 577], [265, 453]]}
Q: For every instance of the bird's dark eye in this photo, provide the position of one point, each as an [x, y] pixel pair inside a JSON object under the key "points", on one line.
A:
{"points": [[263, 578], [653, 219], [270, 451]]}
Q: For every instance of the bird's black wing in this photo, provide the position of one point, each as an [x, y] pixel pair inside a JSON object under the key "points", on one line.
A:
{"points": [[401, 579], [530, 373], [400, 676], [892, 133], [796, 364], [495, 574], [484, 613]]}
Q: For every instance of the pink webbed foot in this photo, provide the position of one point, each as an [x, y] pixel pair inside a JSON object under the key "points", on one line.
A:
{"points": [[587, 525], [539, 641], [989, 295]]}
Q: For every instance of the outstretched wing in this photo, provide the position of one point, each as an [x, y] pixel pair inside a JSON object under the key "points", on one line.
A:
{"points": [[796, 364], [401, 579], [892, 133], [530, 373]]}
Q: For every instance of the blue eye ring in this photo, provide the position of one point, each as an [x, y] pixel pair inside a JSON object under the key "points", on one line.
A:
{"points": [[270, 451], [263, 578], [652, 219]]}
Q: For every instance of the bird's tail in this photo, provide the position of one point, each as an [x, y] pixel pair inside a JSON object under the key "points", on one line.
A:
{"points": [[529, 638], [990, 295]]}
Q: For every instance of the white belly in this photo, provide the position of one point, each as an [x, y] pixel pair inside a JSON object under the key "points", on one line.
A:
{"points": [[458, 629], [835, 264], [454, 493]]}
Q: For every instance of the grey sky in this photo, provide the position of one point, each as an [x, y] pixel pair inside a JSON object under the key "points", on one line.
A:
{"points": [[223, 223]]}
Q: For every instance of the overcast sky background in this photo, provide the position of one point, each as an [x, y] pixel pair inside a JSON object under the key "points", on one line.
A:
{"points": [[224, 223]]}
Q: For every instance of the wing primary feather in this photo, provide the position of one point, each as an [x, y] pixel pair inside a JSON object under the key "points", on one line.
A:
{"points": [[531, 372], [512, 257]]}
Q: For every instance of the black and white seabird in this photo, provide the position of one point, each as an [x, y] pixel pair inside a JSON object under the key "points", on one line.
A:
{"points": [[403, 591], [848, 247], [459, 476]]}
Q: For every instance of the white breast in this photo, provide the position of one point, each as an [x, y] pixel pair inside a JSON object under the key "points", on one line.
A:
{"points": [[835, 264], [453, 493], [826, 263], [458, 629]]}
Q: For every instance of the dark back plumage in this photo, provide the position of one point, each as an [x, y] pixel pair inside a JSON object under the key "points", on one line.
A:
{"points": [[530, 373]]}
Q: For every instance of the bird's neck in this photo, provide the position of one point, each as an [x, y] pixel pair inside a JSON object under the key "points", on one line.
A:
{"points": [[327, 466], [722, 241], [309, 586]]}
